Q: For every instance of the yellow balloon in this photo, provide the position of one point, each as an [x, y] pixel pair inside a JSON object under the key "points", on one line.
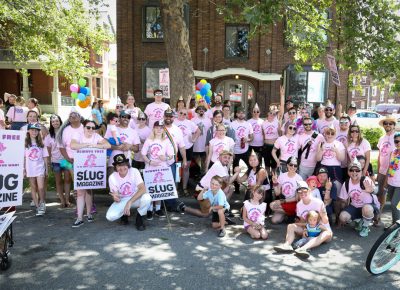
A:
{"points": [[203, 81]]}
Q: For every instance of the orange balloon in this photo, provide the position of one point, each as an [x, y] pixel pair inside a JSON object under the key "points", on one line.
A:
{"points": [[82, 104]]}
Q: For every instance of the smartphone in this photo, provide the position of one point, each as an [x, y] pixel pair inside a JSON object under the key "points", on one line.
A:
{"points": [[314, 135]]}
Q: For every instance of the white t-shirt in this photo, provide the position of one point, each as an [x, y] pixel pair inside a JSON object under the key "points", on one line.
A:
{"points": [[218, 145], [188, 128], [255, 212], [242, 130], [329, 157], [127, 186], [203, 124], [155, 112], [288, 146], [114, 130], [288, 184], [258, 138], [311, 159], [34, 160], [315, 204], [17, 114], [341, 136], [210, 112], [353, 150], [56, 155], [155, 148], [217, 169]]}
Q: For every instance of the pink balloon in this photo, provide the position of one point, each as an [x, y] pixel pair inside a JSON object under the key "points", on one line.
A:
{"points": [[74, 88], [200, 85]]}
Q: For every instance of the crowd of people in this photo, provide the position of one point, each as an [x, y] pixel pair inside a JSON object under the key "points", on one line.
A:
{"points": [[308, 169]]}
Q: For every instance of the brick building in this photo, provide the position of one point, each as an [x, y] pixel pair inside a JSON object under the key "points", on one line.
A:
{"points": [[241, 69]]}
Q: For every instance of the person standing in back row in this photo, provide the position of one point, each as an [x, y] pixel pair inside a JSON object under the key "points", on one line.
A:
{"points": [[155, 111]]}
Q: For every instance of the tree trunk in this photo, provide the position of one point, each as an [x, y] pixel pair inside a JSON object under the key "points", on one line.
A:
{"points": [[176, 39]]}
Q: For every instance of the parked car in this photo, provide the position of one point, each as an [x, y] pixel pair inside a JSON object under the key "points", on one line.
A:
{"points": [[387, 109], [368, 118]]}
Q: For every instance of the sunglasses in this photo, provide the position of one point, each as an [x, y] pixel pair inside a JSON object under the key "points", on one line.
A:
{"points": [[142, 119], [158, 94], [387, 123], [181, 113], [396, 141], [344, 122], [355, 131], [90, 127], [256, 112], [292, 113], [125, 117], [119, 107], [328, 110], [292, 128], [292, 165], [355, 170], [330, 133], [307, 124]]}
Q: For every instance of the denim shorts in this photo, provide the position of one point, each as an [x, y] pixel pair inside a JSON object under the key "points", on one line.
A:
{"points": [[56, 167]]}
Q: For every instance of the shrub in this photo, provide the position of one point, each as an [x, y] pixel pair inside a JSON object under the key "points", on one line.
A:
{"points": [[372, 135]]}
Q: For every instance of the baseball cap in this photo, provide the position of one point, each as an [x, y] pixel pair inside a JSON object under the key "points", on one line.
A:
{"points": [[322, 170]]}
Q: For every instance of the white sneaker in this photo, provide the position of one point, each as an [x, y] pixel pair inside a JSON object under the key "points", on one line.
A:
{"points": [[41, 210], [283, 248], [32, 204]]}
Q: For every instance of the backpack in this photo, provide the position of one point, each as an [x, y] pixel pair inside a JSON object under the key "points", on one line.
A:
{"points": [[346, 184]]}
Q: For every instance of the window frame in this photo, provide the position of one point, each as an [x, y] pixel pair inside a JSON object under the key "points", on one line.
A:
{"points": [[245, 58], [160, 64]]}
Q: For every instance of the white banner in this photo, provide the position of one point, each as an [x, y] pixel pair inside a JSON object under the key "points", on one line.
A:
{"points": [[333, 69], [160, 183], [164, 82], [12, 148], [90, 165]]}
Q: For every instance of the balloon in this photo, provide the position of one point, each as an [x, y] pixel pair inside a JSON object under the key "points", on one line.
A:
{"points": [[74, 95], [203, 91], [88, 91], [200, 86], [203, 81], [82, 82], [209, 93], [83, 91], [198, 92], [74, 88], [207, 86], [208, 100], [198, 97], [81, 97], [65, 164]]}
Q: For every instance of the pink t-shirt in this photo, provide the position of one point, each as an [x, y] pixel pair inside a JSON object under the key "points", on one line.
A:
{"points": [[134, 112], [127, 186], [329, 155], [127, 136], [177, 137], [155, 112], [270, 129], [188, 128], [17, 114], [341, 136], [2, 118], [385, 146], [34, 160], [82, 139], [322, 124], [311, 159], [203, 124], [353, 150], [67, 137], [288, 146], [359, 197], [252, 178], [255, 212], [217, 169], [303, 209], [288, 184], [143, 133], [56, 155], [218, 145], [242, 130], [210, 112], [258, 138], [394, 180], [155, 148]]}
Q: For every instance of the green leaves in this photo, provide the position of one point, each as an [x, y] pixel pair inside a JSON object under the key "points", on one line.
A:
{"points": [[59, 33]]}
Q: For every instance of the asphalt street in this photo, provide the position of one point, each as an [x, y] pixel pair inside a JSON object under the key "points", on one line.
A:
{"points": [[183, 254]]}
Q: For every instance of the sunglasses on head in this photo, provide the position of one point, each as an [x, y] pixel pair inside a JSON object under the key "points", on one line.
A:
{"points": [[292, 128], [90, 127], [328, 110], [387, 123], [125, 117], [355, 170]]}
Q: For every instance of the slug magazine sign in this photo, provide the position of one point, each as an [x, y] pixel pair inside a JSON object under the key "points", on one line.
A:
{"points": [[90, 168], [164, 82], [160, 183], [11, 167]]}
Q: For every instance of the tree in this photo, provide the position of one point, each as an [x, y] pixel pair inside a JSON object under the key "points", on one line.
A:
{"points": [[363, 35], [176, 36], [59, 33]]}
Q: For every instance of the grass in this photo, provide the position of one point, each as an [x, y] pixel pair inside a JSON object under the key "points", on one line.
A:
{"points": [[374, 163]]}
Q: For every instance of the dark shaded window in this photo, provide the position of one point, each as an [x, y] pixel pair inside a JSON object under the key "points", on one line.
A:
{"points": [[236, 41], [151, 75]]}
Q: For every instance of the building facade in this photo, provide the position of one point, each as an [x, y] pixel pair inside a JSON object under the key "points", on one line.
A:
{"points": [[245, 71]]}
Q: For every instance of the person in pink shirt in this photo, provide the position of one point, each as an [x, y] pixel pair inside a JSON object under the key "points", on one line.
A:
{"points": [[357, 145], [144, 132], [16, 115], [258, 137], [219, 144], [33, 105], [385, 146], [270, 128], [329, 119], [217, 107], [358, 194], [254, 214], [199, 148], [155, 111], [88, 139], [2, 117], [292, 113], [132, 109], [288, 145], [341, 136], [36, 166], [285, 191], [394, 180]]}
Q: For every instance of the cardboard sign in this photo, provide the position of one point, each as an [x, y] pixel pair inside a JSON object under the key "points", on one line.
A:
{"points": [[160, 183], [11, 167], [333, 69], [164, 82], [90, 165]]}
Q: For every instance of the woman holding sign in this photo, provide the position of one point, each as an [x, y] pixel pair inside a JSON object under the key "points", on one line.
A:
{"points": [[89, 139]]}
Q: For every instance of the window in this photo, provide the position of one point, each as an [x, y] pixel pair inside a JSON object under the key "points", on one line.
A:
{"points": [[236, 41], [99, 58], [364, 92], [363, 79], [151, 71], [362, 105], [98, 88], [374, 91], [382, 96], [373, 104]]}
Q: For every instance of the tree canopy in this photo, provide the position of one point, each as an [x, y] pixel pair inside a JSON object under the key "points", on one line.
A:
{"points": [[363, 35], [59, 33]]}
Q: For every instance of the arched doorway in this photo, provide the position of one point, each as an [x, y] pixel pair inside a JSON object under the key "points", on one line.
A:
{"points": [[238, 92]]}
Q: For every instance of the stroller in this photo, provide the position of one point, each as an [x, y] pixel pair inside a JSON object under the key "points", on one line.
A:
{"points": [[6, 235]]}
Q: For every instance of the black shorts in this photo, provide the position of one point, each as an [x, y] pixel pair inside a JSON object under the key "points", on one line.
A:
{"points": [[200, 154], [356, 212], [189, 155], [215, 217]]}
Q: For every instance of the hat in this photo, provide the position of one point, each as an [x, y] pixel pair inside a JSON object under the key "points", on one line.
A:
{"points": [[322, 169], [353, 106], [120, 159], [74, 110], [36, 126], [387, 118], [181, 99], [168, 112], [142, 115], [302, 184], [355, 163], [159, 123], [313, 177], [124, 113], [200, 108], [226, 152]]}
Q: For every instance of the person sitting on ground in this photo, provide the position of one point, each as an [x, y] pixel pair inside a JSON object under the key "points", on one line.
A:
{"points": [[218, 204], [328, 192], [128, 191], [360, 203], [254, 214], [304, 206], [312, 228]]}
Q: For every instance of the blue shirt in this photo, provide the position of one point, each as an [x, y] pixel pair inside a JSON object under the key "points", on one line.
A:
{"points": [[98, 115], [218, 199]]}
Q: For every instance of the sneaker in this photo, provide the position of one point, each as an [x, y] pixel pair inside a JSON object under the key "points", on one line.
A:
{"points": [[181, 208], [358, 224], [139, 223], [149, 215], [93, 210], [77, 223], [283, 248], [221, 233], [124, 220], [32, 204], [41, 209], [364, 232], [160, 213], [90, 219], [302, 253], [229, 213], [229, 221]]}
